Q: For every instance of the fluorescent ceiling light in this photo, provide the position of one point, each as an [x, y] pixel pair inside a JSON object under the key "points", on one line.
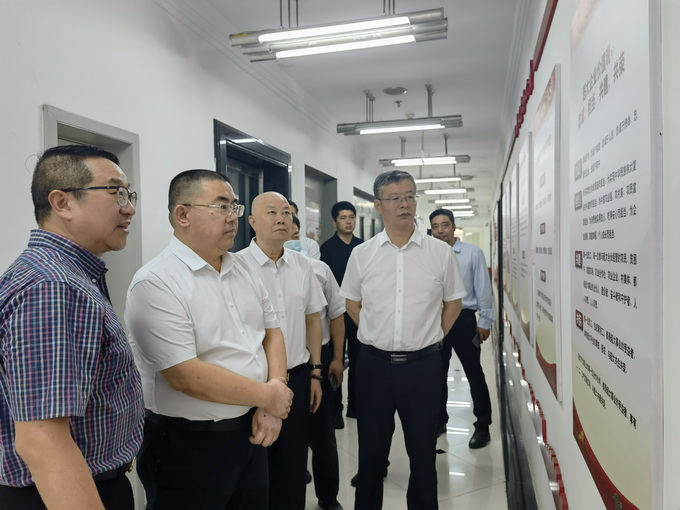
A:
{"points": [[444, 191], [286, 35], [417, 26], [399, 129], [426, 161], [395, 126], [464, 214], [437, 179], [345, 47], [442, 160], [453, 201], [458, 207]]}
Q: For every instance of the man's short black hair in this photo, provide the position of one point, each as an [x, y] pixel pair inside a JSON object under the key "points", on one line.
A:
{"points": [[293, 205], [186, 184], [296, 221], [445, 212], [342, 206], [390, 177], [63, 167]]}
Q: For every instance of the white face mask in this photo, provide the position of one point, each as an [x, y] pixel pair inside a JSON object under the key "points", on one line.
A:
{"points": [[295, 245]]}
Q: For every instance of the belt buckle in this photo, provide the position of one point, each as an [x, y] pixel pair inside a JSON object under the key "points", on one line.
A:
{"points": [[397, 359]]}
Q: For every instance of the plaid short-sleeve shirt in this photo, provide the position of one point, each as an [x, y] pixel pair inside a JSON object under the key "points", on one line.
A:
{"points": [[64, 353]]}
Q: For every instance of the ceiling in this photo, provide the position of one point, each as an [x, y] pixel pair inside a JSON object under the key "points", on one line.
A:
{"points": [[469, 72]]}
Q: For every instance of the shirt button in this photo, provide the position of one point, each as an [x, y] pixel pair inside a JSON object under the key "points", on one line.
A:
{"points": [[94, 280]]}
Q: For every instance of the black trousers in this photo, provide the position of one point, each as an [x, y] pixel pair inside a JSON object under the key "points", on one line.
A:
{"points": [[288, 455], [353, 348], [116, 494], [322, 438], [460, 339], [413, 390], [183, 469]]}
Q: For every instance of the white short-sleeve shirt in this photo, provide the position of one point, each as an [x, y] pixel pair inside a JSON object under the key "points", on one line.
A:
{"points": [[331, 290], [294, 292], [179, 308], [402, 290]]}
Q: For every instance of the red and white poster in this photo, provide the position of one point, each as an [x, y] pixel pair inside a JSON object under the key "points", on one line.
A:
{"points": [[546, 234], [615, 252], [524, 234]]}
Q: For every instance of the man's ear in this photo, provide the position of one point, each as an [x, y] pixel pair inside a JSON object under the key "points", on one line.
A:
{"points": [[251, 221], [61, 204], [181, 215]]}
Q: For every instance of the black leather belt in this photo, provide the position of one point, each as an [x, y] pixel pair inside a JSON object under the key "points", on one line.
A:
{"points": [[399, 357], [201, 425], [295, 371], [114, 473]]}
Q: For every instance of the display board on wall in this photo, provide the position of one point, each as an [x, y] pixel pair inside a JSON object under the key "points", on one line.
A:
{"points": [[546, 234], [615, 251], [513, 249], [505, 241], [524, 234]]}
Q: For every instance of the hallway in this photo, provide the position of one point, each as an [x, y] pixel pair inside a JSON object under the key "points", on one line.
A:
{"points": [[468, 479]]}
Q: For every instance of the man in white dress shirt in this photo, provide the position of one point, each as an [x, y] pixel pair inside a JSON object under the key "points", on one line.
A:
{"points": [[207, 343], [322, 431], [404, 291], [297, 299], [467, 334]]}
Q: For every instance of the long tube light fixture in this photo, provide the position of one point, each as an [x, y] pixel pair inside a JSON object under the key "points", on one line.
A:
{"points": [[453, 201], [444, 191], [274, 44], [401, 125], [426, 161], [458, 207], [437, 179]]}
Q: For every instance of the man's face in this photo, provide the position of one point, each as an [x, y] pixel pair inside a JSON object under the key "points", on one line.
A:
{"points": [[443, 228], [98, 223], [211, 233], [294, 233], [345, 222], [398, 203], [271, 219]]}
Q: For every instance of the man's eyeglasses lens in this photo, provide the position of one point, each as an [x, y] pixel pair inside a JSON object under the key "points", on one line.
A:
{"points": [[223, 209], [124, 195], [409, 199]]}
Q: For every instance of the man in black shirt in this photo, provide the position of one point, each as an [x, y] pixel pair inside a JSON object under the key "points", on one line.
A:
{"points": [[335, 252]]}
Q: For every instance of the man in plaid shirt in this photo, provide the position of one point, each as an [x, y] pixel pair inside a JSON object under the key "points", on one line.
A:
{"points": [[70, 396]]}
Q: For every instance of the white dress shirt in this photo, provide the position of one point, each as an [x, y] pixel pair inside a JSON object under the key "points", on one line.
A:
{"points": [[294, 292], [331, 290], [311, 247], [179, 308], [402, 290], [475, 275]]}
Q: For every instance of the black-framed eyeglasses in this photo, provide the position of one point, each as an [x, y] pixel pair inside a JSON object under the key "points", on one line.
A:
{"points": [[409, 199], [123, 195], [223, 209]]}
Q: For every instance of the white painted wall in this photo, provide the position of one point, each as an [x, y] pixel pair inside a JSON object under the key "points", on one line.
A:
{"points": [[580, 489], [132, 65]]}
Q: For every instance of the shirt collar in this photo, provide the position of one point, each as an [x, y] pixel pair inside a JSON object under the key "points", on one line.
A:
{"points": [[193, 260], [416, 237], [261, 257], [92, 264], [457, 245]]}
